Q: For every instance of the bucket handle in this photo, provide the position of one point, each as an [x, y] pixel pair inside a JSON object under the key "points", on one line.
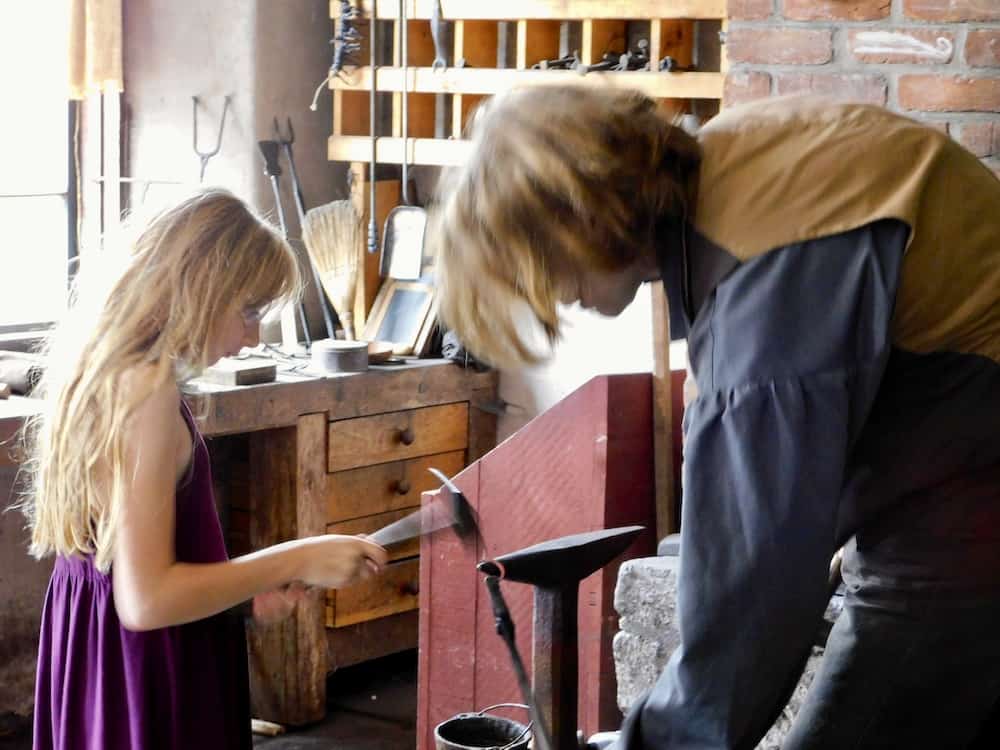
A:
{"points": [[509, 705]]}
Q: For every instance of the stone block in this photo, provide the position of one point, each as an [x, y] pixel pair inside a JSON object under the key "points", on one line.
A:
{"points": [[646, 597], [638, 663]]}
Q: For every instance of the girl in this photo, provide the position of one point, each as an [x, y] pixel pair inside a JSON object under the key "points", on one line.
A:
{"points": [[134, 652]]}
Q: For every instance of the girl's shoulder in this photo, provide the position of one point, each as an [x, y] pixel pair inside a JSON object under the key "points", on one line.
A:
{"points": [[144, 387], [154, 413]]}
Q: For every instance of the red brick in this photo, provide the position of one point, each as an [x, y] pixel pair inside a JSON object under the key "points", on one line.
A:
{"points": [[981, 138], [749, 10], [837, 10], [855, 87], [745, 86], [901, 39], [949, 93], [780, 46], [952, 10], [982, 48]]}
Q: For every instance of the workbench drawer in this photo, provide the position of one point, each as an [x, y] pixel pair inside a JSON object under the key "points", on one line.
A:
{"points": [[395, 436], [385, 487], [369, 524], [392, 592]]}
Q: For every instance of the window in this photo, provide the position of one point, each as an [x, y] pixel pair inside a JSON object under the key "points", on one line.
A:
{"points": [[37, 176]]}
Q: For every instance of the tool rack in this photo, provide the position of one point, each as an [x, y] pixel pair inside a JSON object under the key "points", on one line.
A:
{"points": [[478, 29]]}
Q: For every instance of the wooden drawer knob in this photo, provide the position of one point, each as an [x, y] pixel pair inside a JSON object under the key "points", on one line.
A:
{"points": [[406, 436], [403, 486], [410, 588]]}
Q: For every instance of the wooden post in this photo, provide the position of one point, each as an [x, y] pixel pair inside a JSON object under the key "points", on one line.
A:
{"points": [[555, 661], [667, 517], [420, 107], [476, 44], [288, 659], [386, 198], [674, 38], [536, 40], [598, 37]]}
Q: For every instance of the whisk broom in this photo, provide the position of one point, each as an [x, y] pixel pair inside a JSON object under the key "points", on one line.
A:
{"points": [[332, 234]]}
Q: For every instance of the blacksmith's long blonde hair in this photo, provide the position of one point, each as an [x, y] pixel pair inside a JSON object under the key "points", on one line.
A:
{"points": [[156, 308], [560, 178]]}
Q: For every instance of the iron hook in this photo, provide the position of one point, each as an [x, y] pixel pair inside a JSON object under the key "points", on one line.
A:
{"points": [[204, 156]]}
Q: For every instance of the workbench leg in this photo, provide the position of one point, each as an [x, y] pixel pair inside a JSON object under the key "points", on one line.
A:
{"points": [[288, 660]]}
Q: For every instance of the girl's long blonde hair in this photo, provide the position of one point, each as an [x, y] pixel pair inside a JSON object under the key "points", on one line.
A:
{"points": [[560, 178], [155, 308]]}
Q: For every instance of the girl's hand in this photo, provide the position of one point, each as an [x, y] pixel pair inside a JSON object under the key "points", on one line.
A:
{"points": [[334, 561], [273, 607]]}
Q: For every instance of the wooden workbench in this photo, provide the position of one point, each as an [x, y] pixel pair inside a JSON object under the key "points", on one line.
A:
{"points": [[341, 454]]}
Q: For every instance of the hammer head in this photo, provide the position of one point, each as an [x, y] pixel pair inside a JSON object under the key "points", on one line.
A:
{"points": [[457, 507]]}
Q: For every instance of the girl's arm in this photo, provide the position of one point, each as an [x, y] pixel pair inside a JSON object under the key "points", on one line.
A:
{"points": [[152, 589]]}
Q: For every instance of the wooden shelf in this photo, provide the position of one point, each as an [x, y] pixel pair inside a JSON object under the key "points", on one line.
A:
{"points": [[562, 10], [489, 81], [436, 151]]}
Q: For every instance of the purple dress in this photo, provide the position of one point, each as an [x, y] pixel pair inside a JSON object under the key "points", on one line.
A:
{"points": [[102, 686]]}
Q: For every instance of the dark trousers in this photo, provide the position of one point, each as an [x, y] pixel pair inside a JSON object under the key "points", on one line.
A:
{"points": [[913, 661]]}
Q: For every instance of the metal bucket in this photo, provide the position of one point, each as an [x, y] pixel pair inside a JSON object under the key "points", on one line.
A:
{"points": [[479, 731]]}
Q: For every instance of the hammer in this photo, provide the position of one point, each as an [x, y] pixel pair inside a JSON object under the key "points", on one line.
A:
{"points": [[450, 509]]}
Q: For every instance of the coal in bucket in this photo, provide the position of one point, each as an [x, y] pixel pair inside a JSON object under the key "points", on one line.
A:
{"points": [[482, 731]]}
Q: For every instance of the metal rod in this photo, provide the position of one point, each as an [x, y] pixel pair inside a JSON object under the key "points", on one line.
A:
{"points": [[406, 97], [372, 226], [299, 306]]}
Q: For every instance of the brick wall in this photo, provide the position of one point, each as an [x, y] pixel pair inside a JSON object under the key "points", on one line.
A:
{"points": [[935, 60]]}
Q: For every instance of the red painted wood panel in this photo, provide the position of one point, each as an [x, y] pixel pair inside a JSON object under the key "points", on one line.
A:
{"points": [[585, 464]]}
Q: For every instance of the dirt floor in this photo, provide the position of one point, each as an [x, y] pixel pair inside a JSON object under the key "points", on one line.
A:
{"points": [[372, 706]]}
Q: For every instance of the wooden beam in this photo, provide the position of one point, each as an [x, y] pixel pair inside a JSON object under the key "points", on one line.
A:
{"points": [[573, 10], [390, 150], [286, 685], [487, 82], [386, 198], [667, 518], [310, 520]]}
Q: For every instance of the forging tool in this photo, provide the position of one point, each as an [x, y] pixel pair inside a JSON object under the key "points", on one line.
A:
{"points": [[569, 62], [450, 510], [286, 141], [555, 569], [269, 150]]}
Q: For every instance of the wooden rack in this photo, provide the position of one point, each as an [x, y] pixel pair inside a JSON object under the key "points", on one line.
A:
{"points": [[476, 35]]}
